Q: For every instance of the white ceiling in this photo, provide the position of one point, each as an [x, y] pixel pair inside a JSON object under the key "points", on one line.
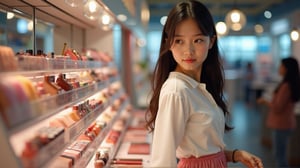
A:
{"points": [[53, 11], [61, 14]]}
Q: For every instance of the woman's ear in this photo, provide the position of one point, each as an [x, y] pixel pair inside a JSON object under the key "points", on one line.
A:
{"points": [[212, 41]]}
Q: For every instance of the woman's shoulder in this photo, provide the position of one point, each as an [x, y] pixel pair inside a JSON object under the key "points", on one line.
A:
{"points": [[285, 85], [177, 82], [174, 84], [284, 88]]}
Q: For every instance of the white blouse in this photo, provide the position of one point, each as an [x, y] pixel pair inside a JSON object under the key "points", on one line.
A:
{"points": [[188, 122]]}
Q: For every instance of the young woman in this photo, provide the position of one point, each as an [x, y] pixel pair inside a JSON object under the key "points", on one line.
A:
{"points": [[281, 117], [187, 111]]}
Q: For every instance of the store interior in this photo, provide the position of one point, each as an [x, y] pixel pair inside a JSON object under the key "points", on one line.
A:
{"points": [[75, 77]]}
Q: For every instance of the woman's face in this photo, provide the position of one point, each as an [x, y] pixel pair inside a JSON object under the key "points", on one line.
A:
{"points": [[190, 48]]}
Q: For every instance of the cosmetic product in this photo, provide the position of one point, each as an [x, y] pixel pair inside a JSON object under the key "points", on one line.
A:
{"points": [[139, 148], [79, 145], [99, 164], [60, 81], [73, 115], [7, 59], [64, 48], [77, 110], [49, 85]]}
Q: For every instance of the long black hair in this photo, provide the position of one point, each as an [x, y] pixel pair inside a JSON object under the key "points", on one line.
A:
{"points": [[292, 77], [212, 71]]}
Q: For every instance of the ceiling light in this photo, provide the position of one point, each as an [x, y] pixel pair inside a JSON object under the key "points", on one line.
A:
{"points": [[294, 35], [9, 15], [91, 9], [73, 3], [221, 28], [259, 29], [235, 19], [268, 14], [105, 19], [106, 22], [122, 17]]}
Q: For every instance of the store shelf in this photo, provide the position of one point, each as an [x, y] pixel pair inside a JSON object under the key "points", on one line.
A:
{"points": [[40, 126], [114, 150], [44, 108], [73, 132], [88, 155], [45, 156], [38, 66]]}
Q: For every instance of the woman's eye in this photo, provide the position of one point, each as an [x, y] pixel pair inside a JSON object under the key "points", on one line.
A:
{"points": [[178, 41], [198, 41]]}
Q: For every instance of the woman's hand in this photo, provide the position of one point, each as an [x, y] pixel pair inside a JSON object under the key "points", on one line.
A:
{"points": [[248, 159]]}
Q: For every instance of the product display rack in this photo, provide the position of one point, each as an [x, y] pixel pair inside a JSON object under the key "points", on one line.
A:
{"points": [[115, 148], [42, 109], [88, 155]]}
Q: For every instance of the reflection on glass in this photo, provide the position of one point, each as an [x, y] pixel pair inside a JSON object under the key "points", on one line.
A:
{"points": [[16, 32], [284, 45]]}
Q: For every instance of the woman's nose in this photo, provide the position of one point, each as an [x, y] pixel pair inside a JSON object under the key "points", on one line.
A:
{"points": [[190, 48]]}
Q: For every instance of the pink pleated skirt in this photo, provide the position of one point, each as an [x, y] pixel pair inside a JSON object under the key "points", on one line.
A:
{"points": [[217, 160]]}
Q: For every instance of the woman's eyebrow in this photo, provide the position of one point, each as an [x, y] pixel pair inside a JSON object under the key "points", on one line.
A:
{"points": [[179, 35]]}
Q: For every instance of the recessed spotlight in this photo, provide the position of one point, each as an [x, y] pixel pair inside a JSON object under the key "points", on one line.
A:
{"points": [[294, 35], [122, 17], [221, 28], [10, 15], [259, 29], [268, 14]]}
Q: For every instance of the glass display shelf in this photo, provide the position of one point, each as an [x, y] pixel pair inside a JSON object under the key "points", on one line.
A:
{"points": [[43, 108], [23, 121], [34, 65], [112, 149], [48, 153], [116, 147], [88, 155]]}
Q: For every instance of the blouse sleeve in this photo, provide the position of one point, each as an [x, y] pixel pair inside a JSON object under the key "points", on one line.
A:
{"points": [[281, 99], [169, 130]]}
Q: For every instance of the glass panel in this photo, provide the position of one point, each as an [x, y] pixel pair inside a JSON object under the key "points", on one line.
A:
{"points": [[238, 49], [285, 45], [44, 37], [15, 31]]}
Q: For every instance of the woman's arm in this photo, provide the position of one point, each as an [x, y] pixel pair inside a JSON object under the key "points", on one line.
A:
{"points": [[282, 99], [246, 158], [169, 130], [279, 100]]}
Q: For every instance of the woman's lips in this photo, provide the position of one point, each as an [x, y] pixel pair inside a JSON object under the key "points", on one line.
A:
{"points": [[189, 60]]}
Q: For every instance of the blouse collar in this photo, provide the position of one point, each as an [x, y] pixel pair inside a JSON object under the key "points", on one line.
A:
{"points": [[188, 79]]}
